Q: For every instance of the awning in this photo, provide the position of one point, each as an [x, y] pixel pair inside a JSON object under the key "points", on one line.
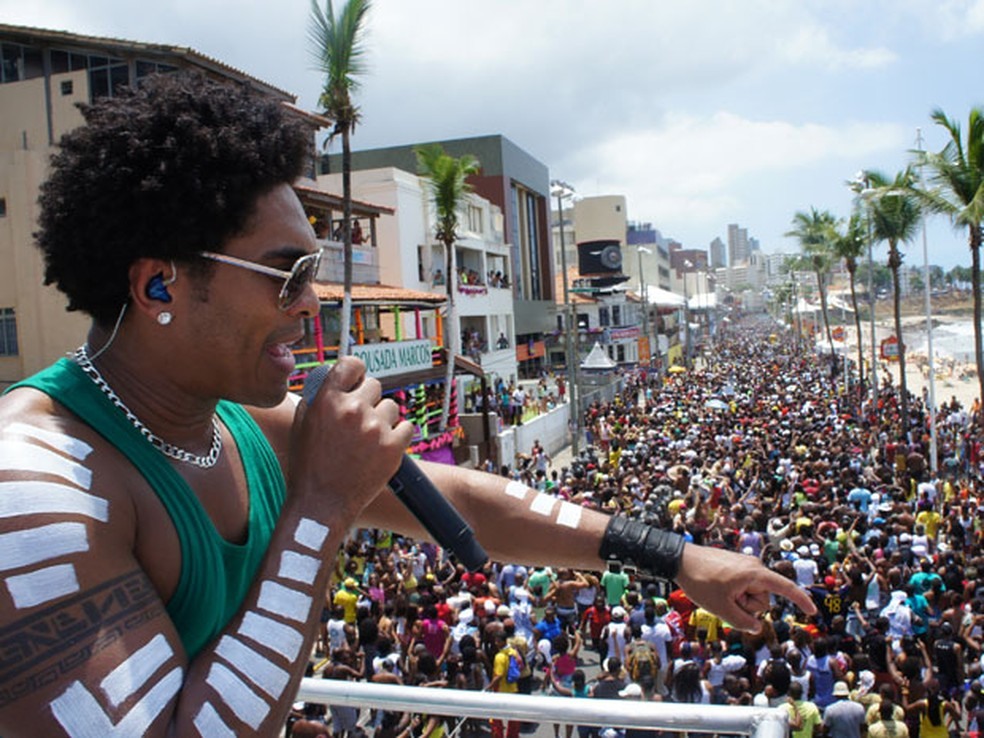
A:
{"points": [[663, 298]]}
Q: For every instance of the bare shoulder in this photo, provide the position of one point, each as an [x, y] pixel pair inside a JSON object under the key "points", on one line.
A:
{"points": [[67, 568]]}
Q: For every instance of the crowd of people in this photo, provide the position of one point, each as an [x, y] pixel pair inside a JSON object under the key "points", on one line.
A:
{"points": [[762, 452]]}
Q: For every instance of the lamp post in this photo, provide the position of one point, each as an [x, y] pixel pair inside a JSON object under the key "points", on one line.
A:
{"points": [[861, 184], [562, 190], [933, 460], [640, 250], [688, 361]]}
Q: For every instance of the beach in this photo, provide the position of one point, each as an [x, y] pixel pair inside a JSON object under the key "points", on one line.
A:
{"points": [[953, 350]]}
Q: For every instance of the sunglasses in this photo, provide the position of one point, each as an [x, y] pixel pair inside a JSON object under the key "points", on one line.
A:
{"points": [[301, 274]]}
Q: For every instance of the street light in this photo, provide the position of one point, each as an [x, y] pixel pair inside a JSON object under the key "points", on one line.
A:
{"points": [[645, 301], [933, 460], [562, 190], [688, 360], [861, 185]]}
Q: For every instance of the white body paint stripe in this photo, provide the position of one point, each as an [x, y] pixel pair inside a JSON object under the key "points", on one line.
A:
{"points": [[66, 444], [248, 706], [136, 671], [280, 600], [542, 504], [311, 534], [517, 490], [25, 547], [299, 567], [262, 672], [38, 498], [81, 715], [569, 515], [276, 636], [42, 585], [210, 725], [26, 457]]}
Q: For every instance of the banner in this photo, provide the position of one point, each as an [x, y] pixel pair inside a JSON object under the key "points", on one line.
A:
{"points": [[402, 357]]}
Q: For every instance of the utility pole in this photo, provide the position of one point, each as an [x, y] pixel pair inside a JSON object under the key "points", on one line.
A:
{"points": [[560, 191]]}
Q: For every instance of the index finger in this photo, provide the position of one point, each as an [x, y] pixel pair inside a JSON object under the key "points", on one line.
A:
{"points": [[347, 374], [789, 589]]}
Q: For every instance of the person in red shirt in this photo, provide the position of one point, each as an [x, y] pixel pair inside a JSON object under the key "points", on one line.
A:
{"points": [[593, 621]]}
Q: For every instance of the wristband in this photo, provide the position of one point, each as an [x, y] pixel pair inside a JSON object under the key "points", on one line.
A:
{"points": [[650, 549]]}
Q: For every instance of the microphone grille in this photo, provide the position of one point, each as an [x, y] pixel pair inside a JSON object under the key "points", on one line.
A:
{"points": [[315, 378]]}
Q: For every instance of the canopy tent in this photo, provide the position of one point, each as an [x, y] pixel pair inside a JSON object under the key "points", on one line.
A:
{"points": [[702, 301], [663, 298], [598, 360]]}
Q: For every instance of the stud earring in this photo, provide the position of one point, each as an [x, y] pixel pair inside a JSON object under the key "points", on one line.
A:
{"points": [[164, 317]]}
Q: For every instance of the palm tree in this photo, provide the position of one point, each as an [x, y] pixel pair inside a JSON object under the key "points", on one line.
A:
{"points": [[813, 231], [957, 173], [895, 217], [849, 246], [337, 45], [447, 182]]}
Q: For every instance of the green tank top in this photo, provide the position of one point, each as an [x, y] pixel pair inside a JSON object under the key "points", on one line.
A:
{"points": [[215, 574]]}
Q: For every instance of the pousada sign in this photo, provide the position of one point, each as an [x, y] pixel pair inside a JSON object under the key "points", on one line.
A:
{"points": [[387, 359]]}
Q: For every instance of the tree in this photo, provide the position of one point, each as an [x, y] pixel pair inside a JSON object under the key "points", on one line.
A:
{"points": [[849, 245], [447, 181], [814, 231], [895, 217], [337, 45], [957, 176]]}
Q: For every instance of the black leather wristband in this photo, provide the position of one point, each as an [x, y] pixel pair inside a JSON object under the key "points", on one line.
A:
{"points": [[650, 549]]}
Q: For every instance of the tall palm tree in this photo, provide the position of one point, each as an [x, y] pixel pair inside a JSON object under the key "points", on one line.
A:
{"points": [[813, 231], [957, 175], [848, 244], [895, 218], [447, 181], [337, 45]]}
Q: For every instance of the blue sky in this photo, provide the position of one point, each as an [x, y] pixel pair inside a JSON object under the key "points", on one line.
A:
{"points": [[702, 113]]}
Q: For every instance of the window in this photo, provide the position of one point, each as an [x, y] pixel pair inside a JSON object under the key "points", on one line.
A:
{"points": [[66, 87], [603, 317], [19, 62], [616, 315], [620, 352], [475, 220], [8, 332], [3, 207]]}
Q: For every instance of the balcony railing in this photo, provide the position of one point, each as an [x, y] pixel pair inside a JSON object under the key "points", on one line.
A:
{"points": [[757, 722]]}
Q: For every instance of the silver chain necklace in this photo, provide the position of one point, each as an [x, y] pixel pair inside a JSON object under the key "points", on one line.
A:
{"points": [[81, 358]]}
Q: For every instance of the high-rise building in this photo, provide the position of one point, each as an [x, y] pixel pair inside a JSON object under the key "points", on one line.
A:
{"points": [[719, 254], [737, 244]]}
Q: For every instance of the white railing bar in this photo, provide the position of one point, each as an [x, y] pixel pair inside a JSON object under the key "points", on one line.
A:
{"points": [[759, 722]]}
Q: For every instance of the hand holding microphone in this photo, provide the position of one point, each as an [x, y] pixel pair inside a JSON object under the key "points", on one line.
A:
{"points": [[413, 488]]}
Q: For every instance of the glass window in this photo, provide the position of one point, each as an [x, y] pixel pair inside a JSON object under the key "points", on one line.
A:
{"points": [[119, 76], [8, 332], [59, 62], [603, 317], [3, 207], [66, 87], [616, 315], [33, 63], [99, 83]]}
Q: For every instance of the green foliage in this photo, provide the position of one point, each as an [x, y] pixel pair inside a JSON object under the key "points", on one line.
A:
{"points": [[448, 184], [338, 48]]}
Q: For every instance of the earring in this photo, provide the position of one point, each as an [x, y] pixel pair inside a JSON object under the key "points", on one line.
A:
{"points": [[164, 317]]}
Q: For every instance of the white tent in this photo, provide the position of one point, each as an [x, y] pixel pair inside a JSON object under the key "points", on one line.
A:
{"points": [[663, 298], [598, 359], [702, 301]]}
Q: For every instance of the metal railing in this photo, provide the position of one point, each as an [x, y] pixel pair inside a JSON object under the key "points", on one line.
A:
{"points": [[757, 722]]}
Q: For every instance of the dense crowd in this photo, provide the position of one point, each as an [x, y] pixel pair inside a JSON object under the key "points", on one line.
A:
{"points": [[762, 451]]}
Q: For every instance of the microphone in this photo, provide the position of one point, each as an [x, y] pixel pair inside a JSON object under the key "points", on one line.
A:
{"points": [[421, 497]]}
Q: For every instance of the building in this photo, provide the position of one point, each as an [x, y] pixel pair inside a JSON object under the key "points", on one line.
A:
{"points": [[44, 74], [719, 254], [738, 248], [410, 257], [519, 185]]}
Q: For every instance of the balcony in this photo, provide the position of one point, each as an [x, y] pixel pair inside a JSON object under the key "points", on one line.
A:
{"points": [[365, 263]]}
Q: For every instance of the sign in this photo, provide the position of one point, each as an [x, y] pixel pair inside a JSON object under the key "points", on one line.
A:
{"points": [[890, 349], [837, 333], [400, 357], [623, 334]]}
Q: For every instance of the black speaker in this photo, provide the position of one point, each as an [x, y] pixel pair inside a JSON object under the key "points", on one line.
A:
{"points": [[599, 257]]}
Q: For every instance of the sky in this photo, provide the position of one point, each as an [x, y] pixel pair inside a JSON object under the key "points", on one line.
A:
{"points": [[701, 113]]}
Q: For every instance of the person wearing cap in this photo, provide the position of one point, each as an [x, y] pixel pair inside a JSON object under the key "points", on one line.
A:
{"points": [[844, 717], [347, 597], [616, 634]]}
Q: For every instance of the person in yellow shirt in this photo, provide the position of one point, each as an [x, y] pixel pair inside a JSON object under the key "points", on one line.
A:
{"points": [[500, 683], [708, 622], [347, 598]]}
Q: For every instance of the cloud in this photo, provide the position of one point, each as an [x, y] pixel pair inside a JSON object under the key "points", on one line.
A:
{"points": [[704, 169]]}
